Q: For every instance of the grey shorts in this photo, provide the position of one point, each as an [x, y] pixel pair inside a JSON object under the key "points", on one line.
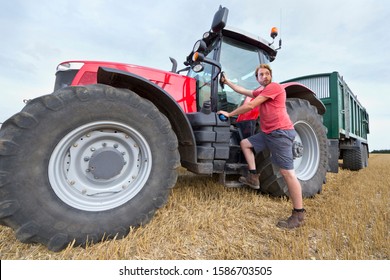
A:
{"points": [[279, 143]]}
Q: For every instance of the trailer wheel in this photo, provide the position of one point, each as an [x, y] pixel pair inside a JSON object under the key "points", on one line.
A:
{"points": [[310, 149], [84, 164], [355, 159]]}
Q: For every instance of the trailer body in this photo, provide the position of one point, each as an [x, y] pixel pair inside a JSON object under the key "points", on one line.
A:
{"points": [[346, 119]]}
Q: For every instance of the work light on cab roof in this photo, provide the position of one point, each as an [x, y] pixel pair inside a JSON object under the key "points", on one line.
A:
{"points": [[274, 32]]}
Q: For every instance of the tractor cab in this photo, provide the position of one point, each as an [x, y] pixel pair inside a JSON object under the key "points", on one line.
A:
{"points": [[235, 52]]}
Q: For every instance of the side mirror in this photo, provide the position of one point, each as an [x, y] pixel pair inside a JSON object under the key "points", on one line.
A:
{"points": [[220, 19]]}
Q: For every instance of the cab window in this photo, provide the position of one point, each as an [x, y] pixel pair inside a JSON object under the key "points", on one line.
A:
{"points": [[239, 62]]}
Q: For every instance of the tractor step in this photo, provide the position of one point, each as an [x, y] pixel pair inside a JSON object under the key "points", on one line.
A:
{"points": [[229, 178], [229, 183]]}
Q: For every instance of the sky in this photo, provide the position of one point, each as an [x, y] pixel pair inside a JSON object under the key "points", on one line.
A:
{"points": [[350, 37]]}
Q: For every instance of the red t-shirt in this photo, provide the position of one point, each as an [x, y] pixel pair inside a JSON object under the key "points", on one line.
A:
{"points": [[273, 112]]}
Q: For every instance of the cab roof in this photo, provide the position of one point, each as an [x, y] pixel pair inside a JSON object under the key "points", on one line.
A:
{"points": [[250, 39]]}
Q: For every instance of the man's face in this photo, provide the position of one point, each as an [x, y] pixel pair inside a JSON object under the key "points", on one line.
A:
{"points": [[264, 76]]}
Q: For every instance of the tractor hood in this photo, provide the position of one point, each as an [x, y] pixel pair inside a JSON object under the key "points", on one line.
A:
{"points": [[78, 73]]}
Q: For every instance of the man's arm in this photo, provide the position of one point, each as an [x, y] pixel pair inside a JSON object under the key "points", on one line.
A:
{"points": [[245, 107], [237, 88]]}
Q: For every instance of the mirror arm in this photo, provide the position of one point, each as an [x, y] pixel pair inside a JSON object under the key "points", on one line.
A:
{"points": [[214, 63]]}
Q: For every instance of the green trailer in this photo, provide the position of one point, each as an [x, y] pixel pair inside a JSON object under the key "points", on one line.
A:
{"points": [[346, 119]]}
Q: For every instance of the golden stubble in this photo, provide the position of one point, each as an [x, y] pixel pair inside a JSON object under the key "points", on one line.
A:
{"points": [[203, 220]]}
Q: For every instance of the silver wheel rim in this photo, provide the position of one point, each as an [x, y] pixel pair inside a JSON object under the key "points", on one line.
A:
{"points": [[307, 165], [100, 166]]}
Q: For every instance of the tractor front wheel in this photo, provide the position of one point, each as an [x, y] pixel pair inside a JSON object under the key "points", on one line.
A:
{"points": [[83, 164]]}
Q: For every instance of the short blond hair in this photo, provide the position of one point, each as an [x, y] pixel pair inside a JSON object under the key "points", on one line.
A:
{"points": [[264, 66]]}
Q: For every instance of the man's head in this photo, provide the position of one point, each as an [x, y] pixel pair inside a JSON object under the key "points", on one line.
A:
{"points": [[264, 74]]}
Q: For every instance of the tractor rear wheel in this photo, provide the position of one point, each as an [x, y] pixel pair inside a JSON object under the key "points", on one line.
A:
{"points": [[83, 164], [310, 149]]}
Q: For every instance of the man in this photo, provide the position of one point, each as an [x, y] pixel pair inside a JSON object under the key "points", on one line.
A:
{"points": [[277, 134]]}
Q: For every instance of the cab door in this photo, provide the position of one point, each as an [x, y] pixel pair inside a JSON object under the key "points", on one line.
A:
{"points": [[239, 61]]}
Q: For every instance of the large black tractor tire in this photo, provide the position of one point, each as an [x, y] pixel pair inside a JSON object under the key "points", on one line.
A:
{"points": [[310, 149], [84, 164]]}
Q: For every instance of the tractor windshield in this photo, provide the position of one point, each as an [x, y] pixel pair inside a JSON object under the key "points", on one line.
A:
{"points": [[239, 61]]}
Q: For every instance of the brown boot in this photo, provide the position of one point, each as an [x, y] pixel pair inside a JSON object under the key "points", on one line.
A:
{"points": [[252, 180], [295, 220]]}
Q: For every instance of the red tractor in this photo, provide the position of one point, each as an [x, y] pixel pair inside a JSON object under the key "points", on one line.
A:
{"points": [[100, 154]]}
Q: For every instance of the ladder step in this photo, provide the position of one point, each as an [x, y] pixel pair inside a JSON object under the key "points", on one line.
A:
{"points": [[229, 183], [233, 184]]}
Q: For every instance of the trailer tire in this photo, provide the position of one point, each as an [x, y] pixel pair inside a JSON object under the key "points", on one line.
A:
{"points": [[311, 167], [355, 159], [83, 165]]}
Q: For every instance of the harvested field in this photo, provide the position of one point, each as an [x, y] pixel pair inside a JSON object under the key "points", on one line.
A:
{"points": [[203, 220]]}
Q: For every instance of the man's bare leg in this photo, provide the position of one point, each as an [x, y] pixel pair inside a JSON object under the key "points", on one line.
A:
{"points": [[295, 189]]}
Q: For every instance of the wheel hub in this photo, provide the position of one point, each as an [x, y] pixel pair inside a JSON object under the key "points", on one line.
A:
{"points": [[99, 166], [297, 149], [98, 163], [106, 163]]}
